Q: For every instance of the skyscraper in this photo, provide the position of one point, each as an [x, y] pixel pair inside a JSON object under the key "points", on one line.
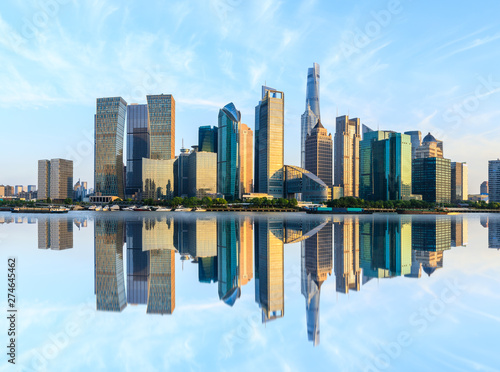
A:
{"points": [[108, 162], [312, 114], [202, 180], [431, 178], [55, 179], [346, 247], [484, 187], [459, 182], [245, 152], [228, 182], [391, 167], [137, 264], [161, 117], [416, 141], [494, 181], [55, 233], [269, 148], [346, 170], [366, 174], [158, 179], [161, 281], [228, 260], [319, 154], [137, 146], [207, 139]]}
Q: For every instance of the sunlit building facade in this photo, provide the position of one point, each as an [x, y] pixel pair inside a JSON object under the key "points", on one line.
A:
{"points": [[319, 154], [245, 152], [55, 178], [459, 182], [55, 233], [161, 282], [269, 143], [109, 123], [158, 180], [346, 248], [202, 176], [346, 165], [161, 118]]}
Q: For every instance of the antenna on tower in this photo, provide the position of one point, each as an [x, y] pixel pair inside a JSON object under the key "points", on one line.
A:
{"points": [[183, 143]]}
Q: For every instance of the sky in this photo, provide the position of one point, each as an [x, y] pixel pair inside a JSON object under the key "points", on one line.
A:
{"points": [[398, 65]]}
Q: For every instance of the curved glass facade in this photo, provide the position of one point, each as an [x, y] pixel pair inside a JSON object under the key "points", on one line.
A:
{"points": [[227, 152]]}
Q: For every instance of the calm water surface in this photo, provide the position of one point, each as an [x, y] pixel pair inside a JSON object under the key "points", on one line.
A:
{"points": [[203, 291]]}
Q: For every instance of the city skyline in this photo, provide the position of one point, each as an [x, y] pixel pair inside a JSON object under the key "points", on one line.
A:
{"points": [[453, 92]]}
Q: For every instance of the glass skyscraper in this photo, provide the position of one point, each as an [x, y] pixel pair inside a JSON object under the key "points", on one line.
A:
{"points": [[207, 139], [494, 181], [158, 179], [346, 167], [161, 113], [137, 146], [311, 115], [109, 123], [269, 149], [202, 173], [227, 153], [431, 178]]}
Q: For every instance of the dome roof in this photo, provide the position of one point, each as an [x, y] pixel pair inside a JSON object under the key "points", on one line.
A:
{"points": [[429, 138]]}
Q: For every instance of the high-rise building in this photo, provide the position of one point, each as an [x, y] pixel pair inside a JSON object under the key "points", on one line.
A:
{"points": [[161, 281], [207, 138], [137, 146], [55, 179], [137, 264], [494, 181], [245, 267], [108, 161], [319, 154], [31, 188], [431, 178], [269, 143], [494, 233], [43, 179], [346, 167], [459, 182], [182, 173], [161, 118], [484, 188], [312, 114], [245, 152], [158, 179], [391, 167], [228, 173], [366, 174], [202, 176], [416, 141], [430, 148]]}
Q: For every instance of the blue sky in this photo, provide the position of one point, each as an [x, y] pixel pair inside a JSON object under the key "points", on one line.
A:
{"points": [[399, 65]]}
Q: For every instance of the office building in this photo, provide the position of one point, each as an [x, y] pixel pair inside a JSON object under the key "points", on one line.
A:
{"points": [[31, 188], [494, 233], [228, 260], [269, 143], [158, 179], [161, 119], [245, 152], [207, 139], [430, 148], [137, 264], [346, 248], [55, 179], [431, 178], [484, 188], [494, 181], [459, 231], [319, 154], [459, 182], [366, 173], [182, 173], [416, 141], [228, 172], [109, 123], [202, 174], [245, 267], [346, 167], [18, 189], [161, 282], [312, 114], [137, 147]]}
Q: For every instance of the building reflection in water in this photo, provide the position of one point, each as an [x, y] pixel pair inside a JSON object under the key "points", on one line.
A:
{"points": [[108, 250], [233, 250], [55, 233], [494, 233]]}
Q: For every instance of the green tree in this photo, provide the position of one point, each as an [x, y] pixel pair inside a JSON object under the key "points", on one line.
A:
{"points": [[207, 201], [176, 201], [68, 201]]}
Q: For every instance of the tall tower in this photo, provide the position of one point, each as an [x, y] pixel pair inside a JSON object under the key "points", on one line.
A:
{"points": [[319, 148], [346, 172], [245, 142], [494, 180], [228, 152], [161, 118], [311, 115], [137, 146], [269, 139], [109, 123]]}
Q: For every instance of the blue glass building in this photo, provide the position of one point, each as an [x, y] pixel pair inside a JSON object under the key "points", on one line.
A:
{"points": [[227, 152], [137, 146], [207, 139]]}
